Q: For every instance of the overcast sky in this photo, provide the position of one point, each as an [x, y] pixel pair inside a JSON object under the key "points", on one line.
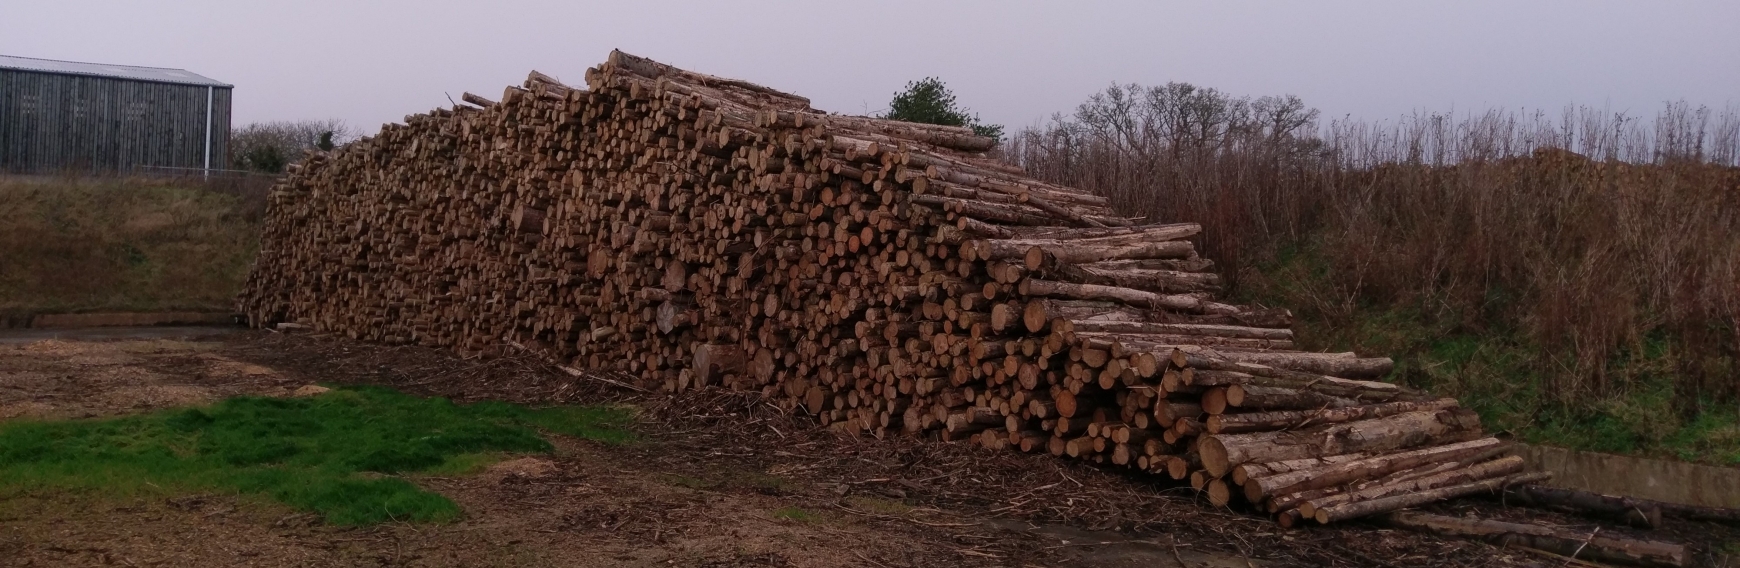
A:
{"points": [[1013, 62]]}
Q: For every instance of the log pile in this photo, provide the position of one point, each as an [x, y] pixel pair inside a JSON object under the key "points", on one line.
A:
{"points": [[890, 278]]}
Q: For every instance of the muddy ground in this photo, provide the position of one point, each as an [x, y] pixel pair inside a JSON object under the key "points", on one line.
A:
{"points": [[716, 479]]}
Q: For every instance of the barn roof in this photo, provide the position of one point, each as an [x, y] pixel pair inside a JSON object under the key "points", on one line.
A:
{"points": [[157, 74]]}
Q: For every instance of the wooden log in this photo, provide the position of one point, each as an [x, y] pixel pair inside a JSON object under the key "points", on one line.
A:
{"points": [[1225, 373], [1129, 296], [1140, 233], [476, 100], [714, 361], [1593, 545], [1256, 488], [1220, 452], [1402, 500], [1151, 328], [1043, 254], [673, 316], [1699, 513], [1152, 280], [1634, 512], [1295, 419], [1341, 365], [1244, 473], [1277, 398], [1169, 412], [1155, 341], [1039, 313]]}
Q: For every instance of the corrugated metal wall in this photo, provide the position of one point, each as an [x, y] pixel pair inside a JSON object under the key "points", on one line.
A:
{"points": [[51, 123]]}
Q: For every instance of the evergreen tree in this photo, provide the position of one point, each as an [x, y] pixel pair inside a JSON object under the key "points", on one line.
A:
{"points": [[929, 101]]}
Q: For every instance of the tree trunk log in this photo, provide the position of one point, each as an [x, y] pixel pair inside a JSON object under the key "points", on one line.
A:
{"points": [[1403, 498], [1612, 549], [1296, 419], [1341, 365], [1634, 512], [715, 361], [1329, 475], [1069, 290], [1220, 452], [1276, 398], [1149, 328]]}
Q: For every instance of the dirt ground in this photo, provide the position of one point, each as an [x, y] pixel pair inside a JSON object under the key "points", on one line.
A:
{"points": [[717, 479]]}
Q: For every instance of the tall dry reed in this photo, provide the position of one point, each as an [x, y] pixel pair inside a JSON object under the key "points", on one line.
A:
{"points": [[1586, 232]]}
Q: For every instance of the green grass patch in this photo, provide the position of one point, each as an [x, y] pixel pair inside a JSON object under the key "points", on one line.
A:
{"points": [[337, 454], [796, 515]]}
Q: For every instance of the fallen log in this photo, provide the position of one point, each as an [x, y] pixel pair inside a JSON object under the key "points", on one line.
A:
{"points": [[1593, 545], [1258, 487], [1634, 512], [1220, 452], [1358, 509], [1698, 513], [1428, 477]]}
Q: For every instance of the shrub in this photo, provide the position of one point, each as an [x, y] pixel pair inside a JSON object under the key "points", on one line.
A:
{"points": [[268, 147]]}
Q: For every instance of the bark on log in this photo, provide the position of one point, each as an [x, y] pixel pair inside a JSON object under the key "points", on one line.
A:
{"points": [[1697, 513], [1069, 290], [1040, 312], [1150, 328], [1277, 398], [714, 361], [1593, 545], [1225, 373], [1341, 365], [1356, 509], [1040, 255], [1256, 488], [1295, 419], [1220, 452], [1634, 512]]}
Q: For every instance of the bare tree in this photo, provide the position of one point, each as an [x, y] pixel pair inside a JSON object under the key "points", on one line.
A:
{"points": [[270, 146]]}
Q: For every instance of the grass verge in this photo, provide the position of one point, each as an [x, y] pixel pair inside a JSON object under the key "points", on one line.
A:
{"points": [[1506, 377], [99, 244], [336, 454]]}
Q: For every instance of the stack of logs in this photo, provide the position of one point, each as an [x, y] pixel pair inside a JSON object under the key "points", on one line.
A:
{"points": [[888, 277]]}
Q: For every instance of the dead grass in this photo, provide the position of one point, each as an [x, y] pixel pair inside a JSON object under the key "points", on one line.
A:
{"points": [[100, 244], [1595, 250]]}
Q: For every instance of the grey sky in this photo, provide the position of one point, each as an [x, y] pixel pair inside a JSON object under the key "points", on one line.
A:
{"points": [[1013, 62]]}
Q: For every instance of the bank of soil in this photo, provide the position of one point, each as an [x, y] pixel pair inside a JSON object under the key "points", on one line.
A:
{"points": [[717, 479]]}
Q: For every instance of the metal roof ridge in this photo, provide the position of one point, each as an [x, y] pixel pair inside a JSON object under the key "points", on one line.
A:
{"points": [[102, 64], [171, 75]]}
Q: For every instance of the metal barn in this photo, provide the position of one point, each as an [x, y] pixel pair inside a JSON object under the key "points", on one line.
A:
{"points": [[63, 116]]}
